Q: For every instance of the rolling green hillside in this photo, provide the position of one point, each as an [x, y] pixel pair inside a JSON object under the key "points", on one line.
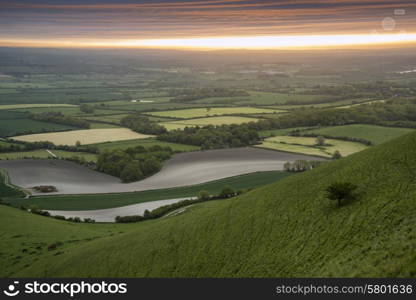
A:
{"points": [[286, 229], [25, 238]]}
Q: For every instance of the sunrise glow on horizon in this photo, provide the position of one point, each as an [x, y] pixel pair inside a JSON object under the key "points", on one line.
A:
{"points": [[206, 24], [243, 42]]}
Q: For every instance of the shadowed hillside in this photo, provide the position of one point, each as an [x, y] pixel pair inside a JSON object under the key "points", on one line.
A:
{"points": [[287, 229]]}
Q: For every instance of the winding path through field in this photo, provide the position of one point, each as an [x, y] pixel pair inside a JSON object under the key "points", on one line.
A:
{"points": [[183, 169]]}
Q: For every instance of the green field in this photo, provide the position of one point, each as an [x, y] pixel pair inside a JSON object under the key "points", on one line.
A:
{"points": [[372, 133], [27, 126], [44, 154], [25, 106], [286, 229], [107, 118], [6, 190], [70, 111], [155, 106], [87, 202], [145, 143], [261, 98], [336, 103], [225, 120], [7, 143], [14, 123], [306, 145], [207, 112]]}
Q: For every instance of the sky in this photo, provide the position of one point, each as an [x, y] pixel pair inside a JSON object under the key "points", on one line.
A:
{"points": [[206, 24]]}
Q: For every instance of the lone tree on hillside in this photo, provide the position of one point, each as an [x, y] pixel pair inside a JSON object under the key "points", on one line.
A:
{"points": [[336, 155], [320, 141], [341, 191]]}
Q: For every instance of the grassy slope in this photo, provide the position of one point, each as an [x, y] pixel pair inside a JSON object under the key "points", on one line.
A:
{"points": [[26, 241], [85, 202], [284, 229]]}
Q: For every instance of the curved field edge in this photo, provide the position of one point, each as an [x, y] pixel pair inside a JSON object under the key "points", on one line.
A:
{"points": [[286, 229], [7, 189], [102, 201]]}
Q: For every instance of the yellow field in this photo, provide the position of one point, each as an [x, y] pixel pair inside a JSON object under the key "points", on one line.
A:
{"points": [[306, 145], [214, 111], [206, 121], [17, 106], [88, 136]]}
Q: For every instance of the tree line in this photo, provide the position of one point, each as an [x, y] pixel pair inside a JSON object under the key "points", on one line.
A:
{"points": [[16, 146], [59, 118], [214, 137], [142, 124], [301, 165], [134, 163], [343, 138]]}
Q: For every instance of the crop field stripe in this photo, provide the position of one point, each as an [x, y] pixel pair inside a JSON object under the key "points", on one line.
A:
{"points": [[317, 153], [306, 145], [17, 106], [220, 120], [212, 112], [102, 201], [86, 136]]}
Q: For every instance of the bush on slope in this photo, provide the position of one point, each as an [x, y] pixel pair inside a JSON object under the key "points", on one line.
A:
{"points": [[287, 229]]}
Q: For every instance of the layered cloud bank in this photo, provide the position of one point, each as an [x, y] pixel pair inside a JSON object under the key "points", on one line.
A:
{"points": [[205, 24]]}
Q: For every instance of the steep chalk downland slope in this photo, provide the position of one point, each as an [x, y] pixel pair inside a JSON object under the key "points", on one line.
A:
{"points": [[284, 229]]}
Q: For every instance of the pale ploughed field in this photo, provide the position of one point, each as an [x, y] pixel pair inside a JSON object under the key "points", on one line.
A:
{"points": [[85, 137]]}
